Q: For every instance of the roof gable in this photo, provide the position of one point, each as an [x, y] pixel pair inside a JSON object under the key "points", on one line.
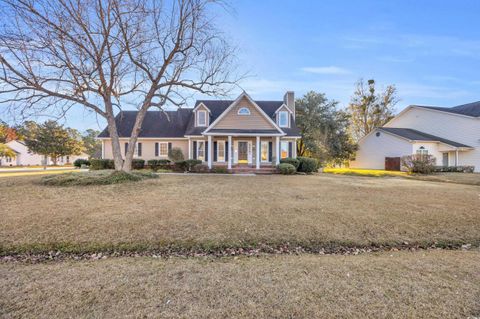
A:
{"points": [[258, 118]]}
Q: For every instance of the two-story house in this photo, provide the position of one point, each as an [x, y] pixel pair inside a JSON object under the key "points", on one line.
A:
{"points": [[451, 135], [229, 133]]}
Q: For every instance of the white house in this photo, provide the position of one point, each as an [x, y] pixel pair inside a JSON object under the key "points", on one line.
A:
{"points": [[26, 158], [451, 135]]}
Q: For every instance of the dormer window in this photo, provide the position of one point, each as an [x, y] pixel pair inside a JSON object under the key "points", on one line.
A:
{"points": [[244, 111], [283, 119], [202, 118]]}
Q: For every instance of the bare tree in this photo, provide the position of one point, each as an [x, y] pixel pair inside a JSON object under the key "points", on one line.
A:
{"points": [[369, 109], [105, 55]]}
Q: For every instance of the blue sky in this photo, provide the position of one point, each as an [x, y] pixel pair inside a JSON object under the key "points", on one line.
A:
{"points": [[429, 49]]}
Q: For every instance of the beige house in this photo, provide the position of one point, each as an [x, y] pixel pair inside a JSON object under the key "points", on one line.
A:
{"points": [[24, 157], [242, 132]]}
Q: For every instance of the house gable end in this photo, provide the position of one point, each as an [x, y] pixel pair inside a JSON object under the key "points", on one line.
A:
{"points": [[231, 119]]}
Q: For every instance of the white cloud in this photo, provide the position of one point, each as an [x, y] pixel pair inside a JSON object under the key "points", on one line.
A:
{"points": [[331, 70]]}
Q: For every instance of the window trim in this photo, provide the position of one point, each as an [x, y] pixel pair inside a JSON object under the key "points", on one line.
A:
{"points": [[204, 151], [262, 144], [280, 119], [218, 151], [244, 114], [160, 149], [198, 118]]}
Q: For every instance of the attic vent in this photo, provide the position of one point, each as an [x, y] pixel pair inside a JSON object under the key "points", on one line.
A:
{"points": [[244, 111], [377, 134]]}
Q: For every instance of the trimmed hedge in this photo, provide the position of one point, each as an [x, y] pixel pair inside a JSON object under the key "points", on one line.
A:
{"points": [[455, 169], [155, 164], [290, 160], [138, 163], [307, 165], [286, 169], [98, 164], [219, 170], [81, 161]]}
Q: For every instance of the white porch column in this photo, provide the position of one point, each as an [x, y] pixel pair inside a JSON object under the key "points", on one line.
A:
{"points": [[209, 150], [456, 157], [189, 148], [230, 152], [295, 149], [103, 149], [277, 150], [257, 152]]}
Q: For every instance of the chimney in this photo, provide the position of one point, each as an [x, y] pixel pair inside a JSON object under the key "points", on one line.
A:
{"points": [[289, 100]]}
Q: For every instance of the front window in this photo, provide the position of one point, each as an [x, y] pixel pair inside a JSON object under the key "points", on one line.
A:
{"points": [[221, 151], [201, 150], [264, 151], [422, 151], [244, 111], [163, 149], [283, 119], [283, 149], [202, 118]]}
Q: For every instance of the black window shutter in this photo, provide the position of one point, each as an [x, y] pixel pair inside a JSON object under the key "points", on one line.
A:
{"points": [[156, 149], [126, 148], [290, 149], [214, 151], [270, 144], [169, 147], [194, 149], [139, 149], [206, 151], [226, 151]]}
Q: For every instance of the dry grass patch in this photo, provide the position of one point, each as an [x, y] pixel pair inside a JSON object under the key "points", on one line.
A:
{"points": [[433, 284], [458, 178], [212, 210], [364, 172]]}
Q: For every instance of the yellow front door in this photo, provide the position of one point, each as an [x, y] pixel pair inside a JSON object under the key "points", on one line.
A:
{"points": [[243, 152]]}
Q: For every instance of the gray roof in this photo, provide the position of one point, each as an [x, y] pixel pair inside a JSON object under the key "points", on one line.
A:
{"points": [[470, 109], [155, 124], [181, 122], [415, 135]]}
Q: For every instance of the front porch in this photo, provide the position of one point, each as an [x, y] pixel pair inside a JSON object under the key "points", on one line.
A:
{"points": [[241, 152]]}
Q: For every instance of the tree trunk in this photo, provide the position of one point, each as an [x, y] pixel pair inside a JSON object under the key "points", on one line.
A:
{"points": [[127, 165]]}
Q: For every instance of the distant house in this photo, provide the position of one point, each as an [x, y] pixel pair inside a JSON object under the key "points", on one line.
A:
{"points": [[229, 133], [451, 135], [26, 158]]}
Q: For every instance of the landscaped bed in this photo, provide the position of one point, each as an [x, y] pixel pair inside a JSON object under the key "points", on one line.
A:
{"points": [[424, 284], [210, 212]]}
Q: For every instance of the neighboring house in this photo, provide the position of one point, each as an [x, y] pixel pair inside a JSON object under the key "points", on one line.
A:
{"points": [[26, 158], [451, 135], [218, 132]]}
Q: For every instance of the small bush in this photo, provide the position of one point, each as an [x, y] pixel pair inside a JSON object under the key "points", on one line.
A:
{"points": [[81, 161], [176, 154], [286, 169], [455, 169], [138, 163], [419, 163], [180, 166], [290, 160], [155, 165], [219, 170], [307, 165], [99, 164], [191, 163], [200, 168], [95, 178]]}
